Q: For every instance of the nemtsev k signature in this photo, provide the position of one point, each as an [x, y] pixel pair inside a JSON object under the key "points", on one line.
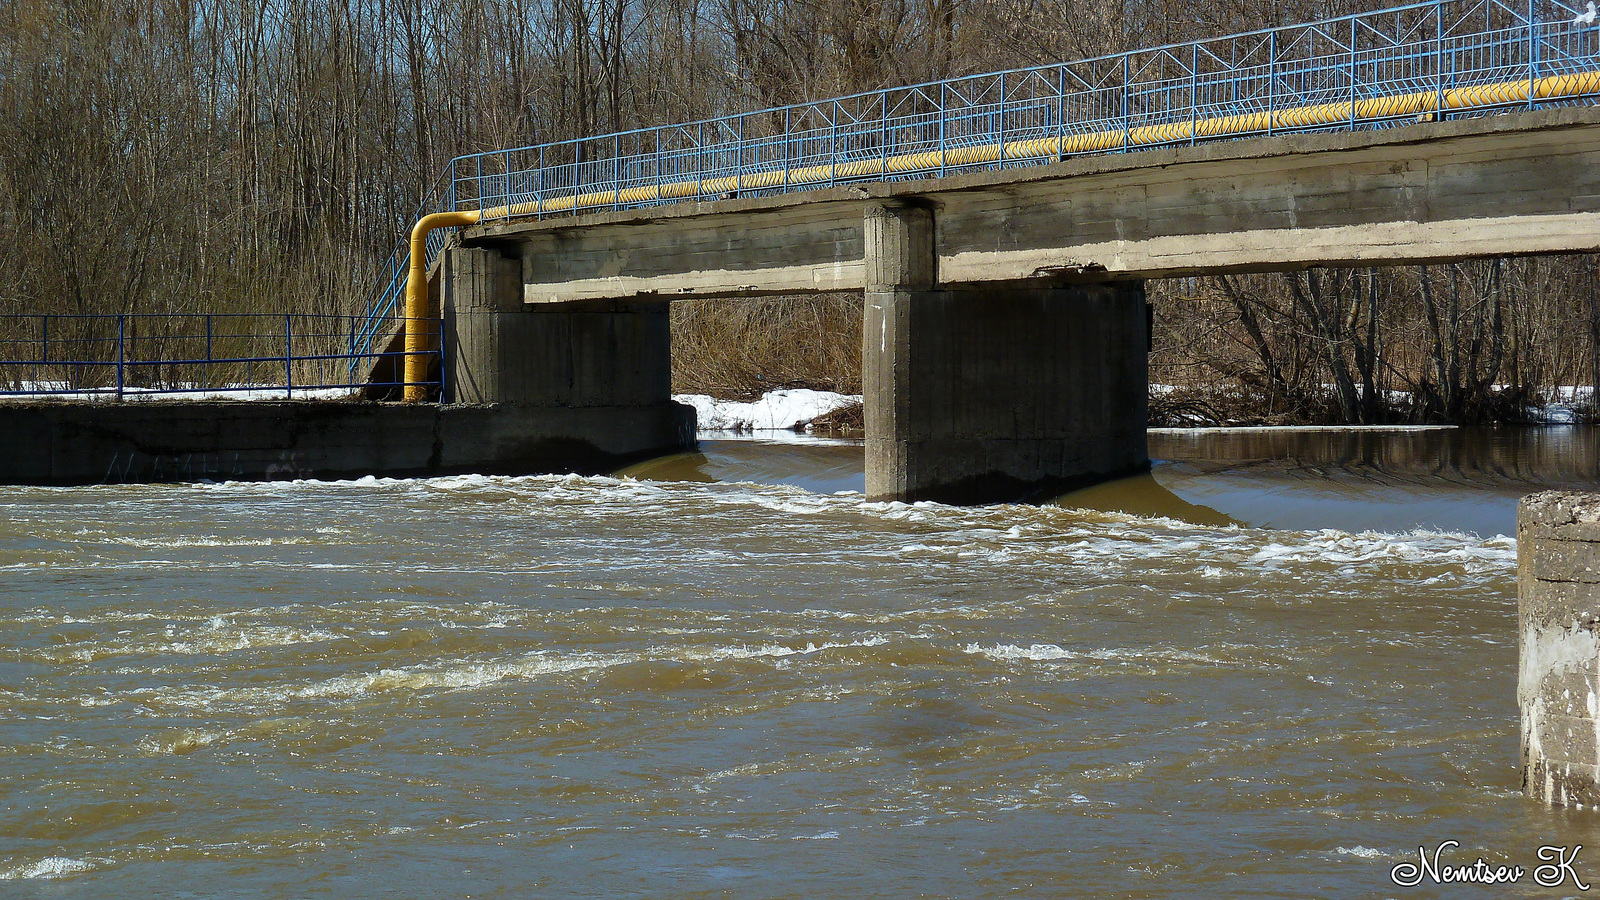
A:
{"points": [[1556, 869]]}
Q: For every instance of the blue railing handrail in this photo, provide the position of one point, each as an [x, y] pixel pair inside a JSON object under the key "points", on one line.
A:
{"points": [[118, 354], [1020, 117]]}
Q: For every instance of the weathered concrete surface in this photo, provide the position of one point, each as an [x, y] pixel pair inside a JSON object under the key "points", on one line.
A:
{"points": [[798, 248], [1002, 394], [1558, 682], [1496, 186], [93, 443], [608, 354]]}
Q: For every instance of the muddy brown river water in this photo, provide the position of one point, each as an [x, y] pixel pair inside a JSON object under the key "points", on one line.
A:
{"points": [[1275, 667]]}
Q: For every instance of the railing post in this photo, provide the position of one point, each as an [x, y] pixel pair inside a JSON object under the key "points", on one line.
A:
{"points": [[616, 172], [450, 190], [1002, 123], [1127, 112], [477, 183], [444, 370], [1438, 61], [787, 130], [121, 355], [943, 138], [1352, 73], [738, 166], [1061, 112], [508, 181], [659, 179], [1194, 91], [1533, 53], [44, 340], [833, 146], [288, 350], [205, 370], [1272, 80], [883, 139], [700, 161], [538, 186]]}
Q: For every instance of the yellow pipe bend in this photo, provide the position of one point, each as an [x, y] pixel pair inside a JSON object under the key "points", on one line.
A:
{"points": [[417, 306]]}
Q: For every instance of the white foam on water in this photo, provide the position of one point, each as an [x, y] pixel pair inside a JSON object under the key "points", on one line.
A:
{"points": [[775, 650], [461, 677], [179, 542], [1361, 852], [178, 742], [218, 636], [1034, 652], [1055, 652], [49, 868]]}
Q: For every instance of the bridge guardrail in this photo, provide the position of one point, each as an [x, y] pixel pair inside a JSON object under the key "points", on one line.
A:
{"points": [[161, 355]]}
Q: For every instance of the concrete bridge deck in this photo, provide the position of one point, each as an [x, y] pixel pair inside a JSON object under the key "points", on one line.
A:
{"points": [[1502, 185]]}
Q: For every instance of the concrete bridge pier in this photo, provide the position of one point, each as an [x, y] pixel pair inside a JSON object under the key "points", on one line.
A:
{"points": [[588, 383], [994, 392], [1558, 679]]}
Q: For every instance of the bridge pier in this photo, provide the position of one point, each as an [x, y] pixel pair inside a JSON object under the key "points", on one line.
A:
{"points": [[594, 377], [1558, 680], [996, 392]]}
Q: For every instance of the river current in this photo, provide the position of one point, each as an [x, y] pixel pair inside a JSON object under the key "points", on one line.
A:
{"points": [[1275, 667]]}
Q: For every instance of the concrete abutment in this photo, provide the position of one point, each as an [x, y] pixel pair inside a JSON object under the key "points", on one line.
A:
{"points": [[604, 366], [994, 393]]}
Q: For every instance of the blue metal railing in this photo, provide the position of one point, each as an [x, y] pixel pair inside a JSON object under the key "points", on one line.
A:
{"points": [[116, 356], [1256, 83]]}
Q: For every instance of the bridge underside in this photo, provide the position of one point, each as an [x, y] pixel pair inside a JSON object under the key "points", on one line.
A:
{"points": [[995, 366]]}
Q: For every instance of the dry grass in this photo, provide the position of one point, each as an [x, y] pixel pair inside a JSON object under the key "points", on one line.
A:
{"points": [[846, 421], [739, 349]]}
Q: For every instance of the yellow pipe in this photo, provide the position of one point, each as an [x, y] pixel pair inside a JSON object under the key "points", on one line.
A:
{"points": [[417, 306], [1549, 88]]}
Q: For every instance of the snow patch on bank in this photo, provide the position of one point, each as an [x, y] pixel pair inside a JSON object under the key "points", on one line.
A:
{"points": [[779, 410]]}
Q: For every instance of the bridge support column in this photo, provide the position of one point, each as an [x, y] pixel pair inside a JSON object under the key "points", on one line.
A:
{"points": [[595, 377], [1558, 682], [994, 393]]}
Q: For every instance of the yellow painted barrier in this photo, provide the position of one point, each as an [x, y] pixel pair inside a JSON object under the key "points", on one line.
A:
{"points": [[1397, 105]]}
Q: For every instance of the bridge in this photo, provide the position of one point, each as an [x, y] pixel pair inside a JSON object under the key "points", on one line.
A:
{"points": [[1001, 227]]}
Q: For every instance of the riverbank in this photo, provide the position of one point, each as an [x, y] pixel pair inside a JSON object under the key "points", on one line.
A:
{"points": [[1171, 407]]}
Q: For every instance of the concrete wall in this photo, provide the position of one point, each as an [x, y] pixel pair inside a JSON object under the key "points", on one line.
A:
{"points": [[1003, 394], [93, 443], [1495, 186], [606, 354], [1558, 682]]}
